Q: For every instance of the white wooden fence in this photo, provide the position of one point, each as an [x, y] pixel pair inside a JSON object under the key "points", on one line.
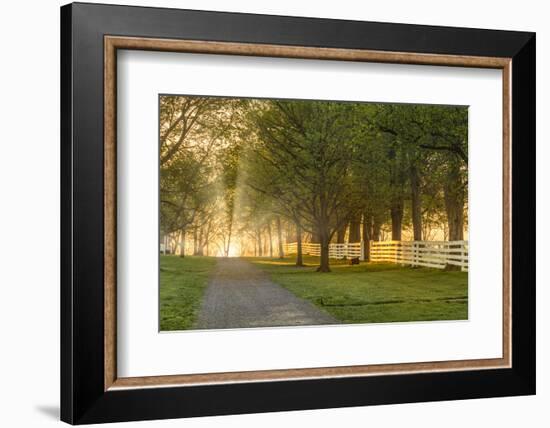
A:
{"points": [[434, 254], [335, 251]]}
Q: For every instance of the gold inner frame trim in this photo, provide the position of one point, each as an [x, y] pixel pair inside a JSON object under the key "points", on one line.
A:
{"points": [[113, 43]]}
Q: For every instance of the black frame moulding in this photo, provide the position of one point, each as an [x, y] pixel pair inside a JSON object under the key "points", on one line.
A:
{"points": [[83, 399]]}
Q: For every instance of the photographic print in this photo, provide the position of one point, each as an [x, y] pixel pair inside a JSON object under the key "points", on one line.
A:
{"points": [[281, 212]]}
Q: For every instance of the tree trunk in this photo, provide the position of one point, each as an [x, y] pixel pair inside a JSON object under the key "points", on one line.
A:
{"points": [[376, 226], [355, 229], [455, 220], [182, 241], [200, 243], [315, 236], [396, 212], [341, 233], [324, 264], [454, 206], [396, 188], [195, 241], [416, 203], [299, 257], [226, 247], [259, 235], [229, 235], [270, 239], [367, 227], [324, 234], [206, 243], [279, 236]]}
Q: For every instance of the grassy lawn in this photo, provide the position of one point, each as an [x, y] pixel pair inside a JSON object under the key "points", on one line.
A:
{"points": [[374, 292], [182, 284]]}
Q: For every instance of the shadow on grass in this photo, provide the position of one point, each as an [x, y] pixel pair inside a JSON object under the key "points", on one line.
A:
{"points": [[374, 292]]}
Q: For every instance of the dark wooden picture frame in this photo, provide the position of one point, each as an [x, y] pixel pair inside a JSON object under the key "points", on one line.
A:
{"points": [[90, 389]]}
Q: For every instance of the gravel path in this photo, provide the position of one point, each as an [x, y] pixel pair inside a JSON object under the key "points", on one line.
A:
{"points": [[241, 295]]}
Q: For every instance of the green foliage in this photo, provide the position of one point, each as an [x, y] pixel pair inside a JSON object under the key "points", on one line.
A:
{"points": [[302, 157], [229, 166], [182, 285]]}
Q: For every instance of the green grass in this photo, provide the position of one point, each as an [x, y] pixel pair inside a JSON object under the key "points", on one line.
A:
{"points": [[182, 284], [374, 292]]}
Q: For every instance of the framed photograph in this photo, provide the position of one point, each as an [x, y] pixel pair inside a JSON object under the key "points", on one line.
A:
{"points": [[266, 213]]}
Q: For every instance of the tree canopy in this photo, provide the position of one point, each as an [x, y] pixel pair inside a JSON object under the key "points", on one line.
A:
{"points": [[237, 175]]}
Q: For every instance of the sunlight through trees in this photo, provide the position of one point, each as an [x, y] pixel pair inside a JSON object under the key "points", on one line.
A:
{"points": [[241, 177]]}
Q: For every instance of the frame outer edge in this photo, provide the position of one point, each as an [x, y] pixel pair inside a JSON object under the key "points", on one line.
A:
{"points": [[66, 305], [524, 215], [82, 394]]}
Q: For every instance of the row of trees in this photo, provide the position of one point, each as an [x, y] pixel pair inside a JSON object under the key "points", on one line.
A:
{"points": [[257, 171]]}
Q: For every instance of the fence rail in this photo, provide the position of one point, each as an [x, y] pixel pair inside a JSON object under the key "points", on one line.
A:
{"points": [[336, 251], [434, 254]]}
